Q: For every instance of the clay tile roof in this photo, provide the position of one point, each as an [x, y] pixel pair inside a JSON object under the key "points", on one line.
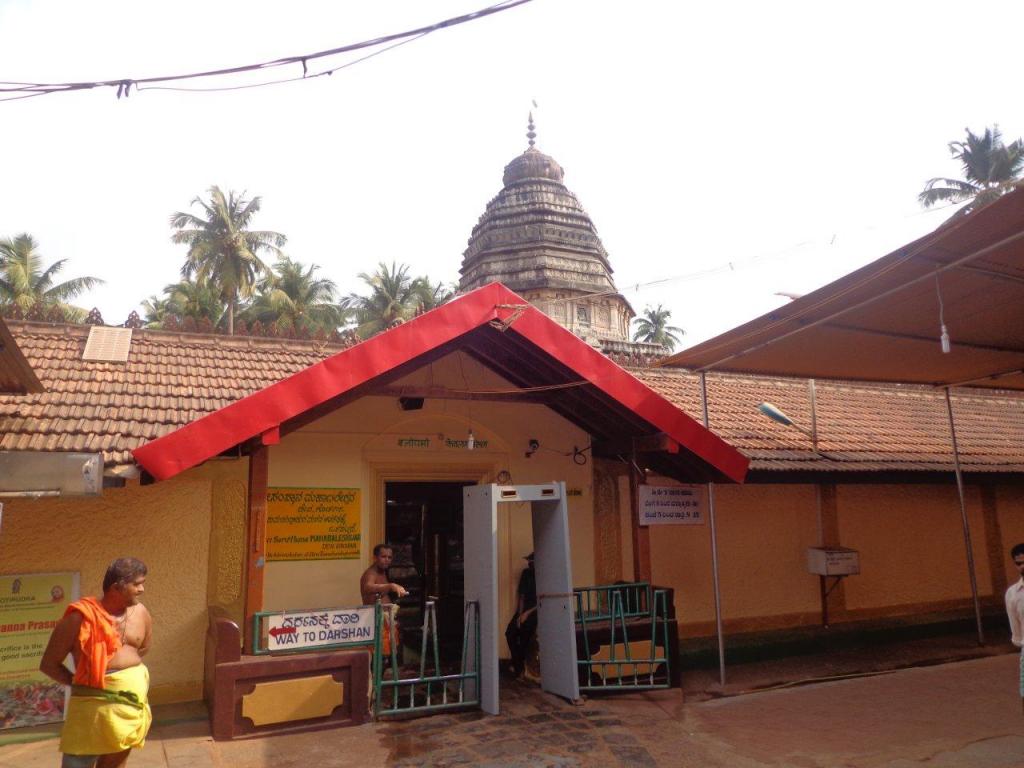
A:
{"points": [[861, 427], [169, 380], [172, 379]]}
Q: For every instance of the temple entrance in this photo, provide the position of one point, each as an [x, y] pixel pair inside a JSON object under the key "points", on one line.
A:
{"points": [[423, 523]]}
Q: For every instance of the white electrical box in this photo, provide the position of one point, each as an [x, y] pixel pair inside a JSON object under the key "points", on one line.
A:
{"points": [[833, 561]]}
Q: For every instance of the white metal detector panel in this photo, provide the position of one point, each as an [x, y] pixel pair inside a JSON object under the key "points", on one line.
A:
{"points": [[480, 545], [555, 628]]}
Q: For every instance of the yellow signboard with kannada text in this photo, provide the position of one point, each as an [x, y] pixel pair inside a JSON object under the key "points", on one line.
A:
{"points": [[313, 524], [31, 604]]}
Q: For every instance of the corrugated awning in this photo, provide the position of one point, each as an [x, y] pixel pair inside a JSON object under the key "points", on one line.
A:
{"points": [[16, 374], [505, 333], [884, 321]]}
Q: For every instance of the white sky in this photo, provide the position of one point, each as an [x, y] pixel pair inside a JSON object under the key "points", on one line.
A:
{"points": [[796, 135]]}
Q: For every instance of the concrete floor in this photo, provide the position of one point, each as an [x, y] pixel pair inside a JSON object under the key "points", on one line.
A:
{"points": [[960, 713]]}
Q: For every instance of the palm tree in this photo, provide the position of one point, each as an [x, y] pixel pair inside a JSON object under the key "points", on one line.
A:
{"points": [[295, 296], [653, 328], [990, 168], [222, 251], [28, 284], [430, 296], [190, 299], [393, 298], [156, 310]]}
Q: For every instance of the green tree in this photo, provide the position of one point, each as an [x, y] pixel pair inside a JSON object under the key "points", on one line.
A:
{"points": [[27, 283], [294, 295], [394, 297], [430, 296], [155, 310], [222, 251], [190, 299], [652, 327], [990, 169]]}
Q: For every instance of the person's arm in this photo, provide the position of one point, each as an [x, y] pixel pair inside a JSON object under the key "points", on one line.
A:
{"points": [[1013, 613], [147, 639], [62, 642], [368, 586]]}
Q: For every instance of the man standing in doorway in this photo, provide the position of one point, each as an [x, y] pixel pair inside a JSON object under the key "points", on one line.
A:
{"points": [[108, 714], [375, 582], [521, 629], [374, 585], [1015, 610]]}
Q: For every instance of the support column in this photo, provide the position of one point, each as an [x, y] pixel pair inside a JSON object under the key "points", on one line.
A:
{"points": [[641, 534], [256, 539], [963, 519]]}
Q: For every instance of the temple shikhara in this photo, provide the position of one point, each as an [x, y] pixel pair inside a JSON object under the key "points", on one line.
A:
{"points": [[536, 238]]}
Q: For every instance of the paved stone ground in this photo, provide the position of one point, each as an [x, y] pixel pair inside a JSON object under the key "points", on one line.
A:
{"points": [[964, 714]]}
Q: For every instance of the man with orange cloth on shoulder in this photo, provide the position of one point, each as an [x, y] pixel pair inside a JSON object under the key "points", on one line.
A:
{"points": [[108, 714]]}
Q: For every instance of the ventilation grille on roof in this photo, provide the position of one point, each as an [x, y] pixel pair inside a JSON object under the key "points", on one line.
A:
{"points": [[108, 345]]}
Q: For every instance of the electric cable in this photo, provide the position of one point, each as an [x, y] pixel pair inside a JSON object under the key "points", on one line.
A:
{"points": [[124, 85]]}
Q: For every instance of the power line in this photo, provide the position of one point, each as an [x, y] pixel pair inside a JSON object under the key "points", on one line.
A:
{"points": [[124, 85], [734, 265]]}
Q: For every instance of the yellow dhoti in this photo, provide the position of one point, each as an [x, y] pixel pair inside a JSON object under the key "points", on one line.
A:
{"points": [[102, 722]]}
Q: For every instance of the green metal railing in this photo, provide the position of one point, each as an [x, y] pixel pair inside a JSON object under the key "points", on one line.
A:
{"points": [[433, 692], [621, 610]]}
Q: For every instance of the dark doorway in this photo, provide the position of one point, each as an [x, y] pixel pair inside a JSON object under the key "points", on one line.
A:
{"points": [[423, 523]]}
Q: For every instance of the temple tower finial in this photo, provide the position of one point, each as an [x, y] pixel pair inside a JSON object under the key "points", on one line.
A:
{"points": [[530, 133]]}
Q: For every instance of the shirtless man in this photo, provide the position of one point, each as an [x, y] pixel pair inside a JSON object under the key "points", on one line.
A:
{"points": [[107, 637], [375, 578]]}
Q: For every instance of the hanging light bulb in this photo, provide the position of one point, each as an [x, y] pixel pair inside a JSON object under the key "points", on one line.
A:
{"points": [[470, 441], [944, 337]]}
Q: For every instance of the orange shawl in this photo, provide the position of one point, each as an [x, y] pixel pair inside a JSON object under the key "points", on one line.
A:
{"points": [[97, 639]]}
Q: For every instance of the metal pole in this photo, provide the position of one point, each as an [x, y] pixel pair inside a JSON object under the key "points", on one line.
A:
{"points": [[714, 546], [812, 391], [963, 516]]}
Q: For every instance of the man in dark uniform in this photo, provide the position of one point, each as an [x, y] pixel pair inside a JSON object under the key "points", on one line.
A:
{"points": [[521, 629]]}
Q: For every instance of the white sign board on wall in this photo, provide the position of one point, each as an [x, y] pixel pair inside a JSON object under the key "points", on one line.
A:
{"points": [[672, 504], [317, 629]]}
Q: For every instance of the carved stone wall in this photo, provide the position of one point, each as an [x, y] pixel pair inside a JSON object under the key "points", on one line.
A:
{"points": [[607, 528]]}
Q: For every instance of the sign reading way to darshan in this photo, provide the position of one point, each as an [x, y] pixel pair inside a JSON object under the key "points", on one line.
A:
{"points": [[315, 629], [31, 604], [672, 504], [313, 524]]}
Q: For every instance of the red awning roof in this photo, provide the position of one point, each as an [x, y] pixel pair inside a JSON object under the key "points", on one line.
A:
{"points": [[882, 322], [500, 329]]}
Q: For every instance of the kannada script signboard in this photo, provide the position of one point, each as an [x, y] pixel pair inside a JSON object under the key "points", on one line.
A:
{"points": [[315, 629], [30, 605], [313, 524], [671, 505]]}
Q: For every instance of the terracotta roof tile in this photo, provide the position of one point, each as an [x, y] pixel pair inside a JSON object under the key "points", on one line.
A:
{"points": [[860, 427], [171, 379], [168, 380]]}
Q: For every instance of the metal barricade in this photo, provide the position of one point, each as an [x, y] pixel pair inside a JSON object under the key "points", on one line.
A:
{"points": [[606, 617], [427, 692]]}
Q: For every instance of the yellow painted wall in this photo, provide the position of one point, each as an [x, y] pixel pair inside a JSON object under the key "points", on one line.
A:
{"points": [[166, 525], [357, 447], [1010, 503], [763, 535], [911, 542], [909, 537]]}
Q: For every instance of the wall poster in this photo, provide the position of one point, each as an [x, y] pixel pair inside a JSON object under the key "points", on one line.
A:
{"points": [[313, 524], [31, 604]]}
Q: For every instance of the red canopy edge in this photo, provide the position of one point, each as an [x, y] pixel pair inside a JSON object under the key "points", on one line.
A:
{"points": [[269, 408]]}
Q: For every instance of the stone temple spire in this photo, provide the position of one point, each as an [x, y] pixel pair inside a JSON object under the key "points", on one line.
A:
{"points": [[536, 238]]}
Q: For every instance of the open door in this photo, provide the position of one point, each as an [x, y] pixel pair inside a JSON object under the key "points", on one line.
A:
{"points": [[555, 628]]}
